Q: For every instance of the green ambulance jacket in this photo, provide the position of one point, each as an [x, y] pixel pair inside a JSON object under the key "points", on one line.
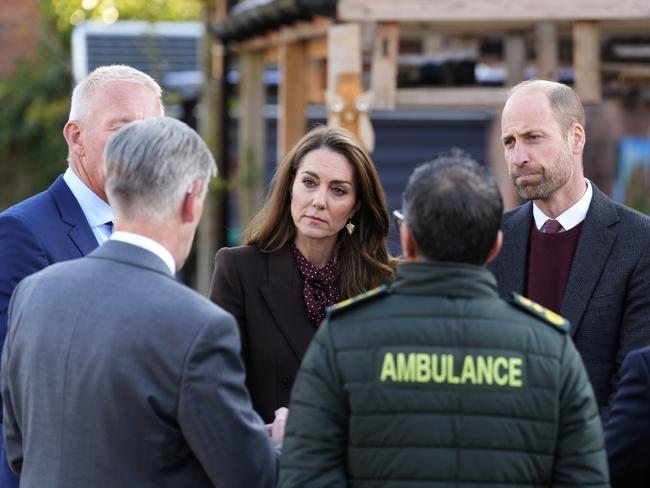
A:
{"points": [[435, 381]]}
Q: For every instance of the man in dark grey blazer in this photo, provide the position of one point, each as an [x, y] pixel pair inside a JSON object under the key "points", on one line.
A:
{"points": [[571, 248], [114, 374]]}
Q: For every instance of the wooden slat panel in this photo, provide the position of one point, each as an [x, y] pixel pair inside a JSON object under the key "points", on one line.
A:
{"points": [[490, 10]]}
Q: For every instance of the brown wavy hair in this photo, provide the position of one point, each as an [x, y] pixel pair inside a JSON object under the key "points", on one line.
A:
{"points": [[362, 259]]}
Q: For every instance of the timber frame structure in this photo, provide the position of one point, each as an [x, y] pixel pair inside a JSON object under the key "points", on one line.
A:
{"points": [[308, 38], [314, 42]]}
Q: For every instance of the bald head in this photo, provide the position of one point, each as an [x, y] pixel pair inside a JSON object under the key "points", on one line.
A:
{"points": [[565, 104]]}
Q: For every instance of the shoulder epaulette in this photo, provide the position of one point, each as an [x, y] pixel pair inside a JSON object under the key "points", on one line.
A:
{"points": [[548, 316], [363, 297]]}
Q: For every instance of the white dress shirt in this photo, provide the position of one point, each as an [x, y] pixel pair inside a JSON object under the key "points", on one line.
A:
{"points": [[148, 244], [571, 216], [96, 210]]}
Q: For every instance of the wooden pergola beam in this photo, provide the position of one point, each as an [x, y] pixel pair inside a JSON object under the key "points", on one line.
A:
{"points": [[451, 97], [300, 31], [445, 11]]}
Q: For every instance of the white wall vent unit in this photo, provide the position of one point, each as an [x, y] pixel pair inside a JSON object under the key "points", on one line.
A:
{"points": [[167, 51]]}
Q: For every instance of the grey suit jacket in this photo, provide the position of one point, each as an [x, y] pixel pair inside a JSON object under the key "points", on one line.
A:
{"points": [[114, 374], [607, 298]]}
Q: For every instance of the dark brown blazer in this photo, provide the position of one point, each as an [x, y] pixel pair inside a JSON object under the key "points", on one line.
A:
{"points": [[264, 293]]}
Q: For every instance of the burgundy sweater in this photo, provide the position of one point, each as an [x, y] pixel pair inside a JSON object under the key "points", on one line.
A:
{"points": [[549, 262]]}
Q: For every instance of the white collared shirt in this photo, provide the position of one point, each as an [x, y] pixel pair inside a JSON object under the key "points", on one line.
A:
{"points": [[96, 210], [148, 244], [571, 216]]}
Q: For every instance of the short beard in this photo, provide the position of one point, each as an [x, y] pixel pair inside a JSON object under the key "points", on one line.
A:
{"points": [[553, 178]]}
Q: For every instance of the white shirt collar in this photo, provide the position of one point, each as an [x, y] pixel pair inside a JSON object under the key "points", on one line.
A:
{"points": [[96, 210], [148, 244], [571, 216]]}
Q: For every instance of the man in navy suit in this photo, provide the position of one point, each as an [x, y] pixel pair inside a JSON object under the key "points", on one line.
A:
{"points": [[113, 373], [72, 217], [570, 247], [627, 434]]}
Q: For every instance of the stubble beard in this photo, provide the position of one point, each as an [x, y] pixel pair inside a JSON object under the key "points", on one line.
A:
{"points": [[554, 177]]}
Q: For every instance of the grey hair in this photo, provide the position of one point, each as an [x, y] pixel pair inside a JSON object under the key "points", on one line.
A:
{"points": [[103, 76], [151, 164]]}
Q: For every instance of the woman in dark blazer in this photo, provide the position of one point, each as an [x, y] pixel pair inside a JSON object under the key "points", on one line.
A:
{"points": [[321, 237]]}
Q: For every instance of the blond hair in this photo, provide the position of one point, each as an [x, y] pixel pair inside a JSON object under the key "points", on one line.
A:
{"points": [[103, 76]]}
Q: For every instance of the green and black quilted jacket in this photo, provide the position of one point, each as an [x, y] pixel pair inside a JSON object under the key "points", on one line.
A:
{"points": [[435, 381]]}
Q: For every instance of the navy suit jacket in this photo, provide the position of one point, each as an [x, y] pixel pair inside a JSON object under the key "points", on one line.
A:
{"points": [[627, 433], [42, 230], [607, 299]]}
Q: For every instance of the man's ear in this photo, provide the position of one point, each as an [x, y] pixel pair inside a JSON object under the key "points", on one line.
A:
{"points": [[72, 134], [410, 251], [578, 138], [496, 247], [189, 208]]}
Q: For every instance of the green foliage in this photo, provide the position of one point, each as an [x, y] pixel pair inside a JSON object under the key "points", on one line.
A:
{"points": [[35, 106], [71, 12], [35, 101]]}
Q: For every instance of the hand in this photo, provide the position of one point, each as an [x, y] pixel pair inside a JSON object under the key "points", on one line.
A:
{"points": [[276, 429]]}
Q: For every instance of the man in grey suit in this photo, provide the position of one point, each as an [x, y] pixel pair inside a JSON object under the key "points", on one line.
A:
{"points": [[113, 373], [571, 248]]}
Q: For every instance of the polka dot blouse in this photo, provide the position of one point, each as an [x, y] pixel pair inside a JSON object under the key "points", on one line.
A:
{"points": [[319, 291]]}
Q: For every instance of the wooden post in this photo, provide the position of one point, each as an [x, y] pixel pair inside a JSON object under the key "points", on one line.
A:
{"points": [[252, 136], [291, 117], [515, 53], [383, 76], [210, 233], [546, 50], [344, 52], [316, 71], [586, 60]]}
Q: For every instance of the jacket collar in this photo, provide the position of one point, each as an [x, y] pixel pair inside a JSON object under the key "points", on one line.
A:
{"points": [[132, 255], [80, 232], [454, 280]]}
